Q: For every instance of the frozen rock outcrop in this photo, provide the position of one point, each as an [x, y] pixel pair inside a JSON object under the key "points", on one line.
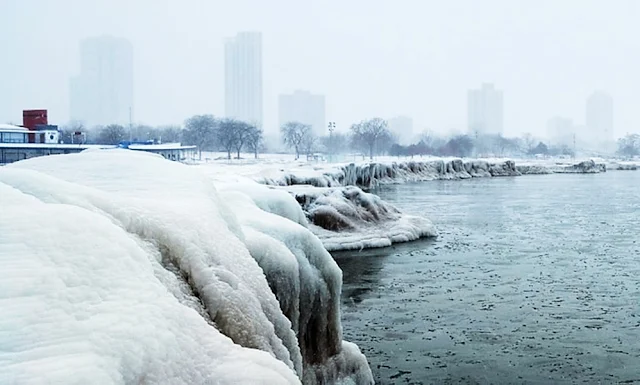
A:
{"points": [[140, 268], [367, 175], [349, 218], [584, 167]]}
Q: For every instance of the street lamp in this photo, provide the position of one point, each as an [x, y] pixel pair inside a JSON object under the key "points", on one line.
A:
{"points": [[332, 127]]}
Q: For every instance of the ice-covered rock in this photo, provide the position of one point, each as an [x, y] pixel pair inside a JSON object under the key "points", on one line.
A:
{"points": [[348, 218], [121, 267], [584, 167], [367, 175]]}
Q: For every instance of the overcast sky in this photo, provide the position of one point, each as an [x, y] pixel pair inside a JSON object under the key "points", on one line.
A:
{"points": [[369, 57]]}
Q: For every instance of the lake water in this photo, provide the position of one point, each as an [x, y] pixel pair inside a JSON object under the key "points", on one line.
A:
{"points": [[533, 280]]}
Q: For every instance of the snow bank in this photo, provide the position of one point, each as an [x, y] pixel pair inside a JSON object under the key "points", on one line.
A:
{"points": [[344, 218], [348, 218], [367, 175], [584, 167], [121, 267]]}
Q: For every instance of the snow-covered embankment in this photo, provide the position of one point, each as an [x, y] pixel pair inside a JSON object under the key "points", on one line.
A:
{"points": [[584, 167], [370, 174], [121, 267]]}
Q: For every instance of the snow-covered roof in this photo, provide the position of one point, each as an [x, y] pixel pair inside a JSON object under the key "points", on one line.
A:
{"points": [[11, 127], [163, 146]]}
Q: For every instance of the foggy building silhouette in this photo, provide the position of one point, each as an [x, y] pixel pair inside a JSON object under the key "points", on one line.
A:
{"points": [[402, 128], [102, 93], [304, 107], [599, 117], [561, 131], [485, 111], [243, 77]]}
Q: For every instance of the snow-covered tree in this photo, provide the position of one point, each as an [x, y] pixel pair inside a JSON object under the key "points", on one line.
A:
{"points": [[200, 130], [370, 134], [294, 135]]}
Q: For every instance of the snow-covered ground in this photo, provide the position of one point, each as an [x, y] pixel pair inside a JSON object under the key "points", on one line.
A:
{"points": [[284, 170], [365, 174], [121, 267]]}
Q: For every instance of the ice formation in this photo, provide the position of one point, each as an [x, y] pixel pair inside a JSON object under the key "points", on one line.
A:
{"points": [[344, 218], [367, 175], [348, 218], [121, 267], [584, 167]]}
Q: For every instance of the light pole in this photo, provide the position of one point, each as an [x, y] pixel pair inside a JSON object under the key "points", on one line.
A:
{"points": [[332, 127]]}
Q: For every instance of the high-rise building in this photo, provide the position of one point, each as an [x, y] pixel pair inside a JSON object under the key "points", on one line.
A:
{"points": [[102, 93], [485, 112], [303, 107], [243, 77], [402, 128], [561, 131], [599, 117]]}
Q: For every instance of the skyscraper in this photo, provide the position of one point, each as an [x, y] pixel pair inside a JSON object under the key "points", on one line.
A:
{"points": [[243, 77], [303, 107], [485, 112], [599, 117], [102, 93], [402, 128], [561, 131]]}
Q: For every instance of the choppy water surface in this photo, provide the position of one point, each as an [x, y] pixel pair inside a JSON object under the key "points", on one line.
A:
{"points": [[534, 280]]}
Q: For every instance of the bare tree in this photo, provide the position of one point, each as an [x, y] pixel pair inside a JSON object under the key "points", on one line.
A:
{"points": [[294, 134], [170, 134], [255, 139], [242, 132], [227, 134], [68, 131], [200, 130], [309, 143], [529, 142], [111, 134], [370, 133]]}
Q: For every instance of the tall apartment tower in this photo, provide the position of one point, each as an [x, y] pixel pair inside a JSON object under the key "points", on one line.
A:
{"points": [[485, 111], [303, 107], [599, 117], [102, 93], [243, 77]]}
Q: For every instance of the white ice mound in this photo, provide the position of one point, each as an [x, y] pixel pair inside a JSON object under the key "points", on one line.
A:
{"points": [[366, 175], [348, 218], [584, 167], [121, 267]]}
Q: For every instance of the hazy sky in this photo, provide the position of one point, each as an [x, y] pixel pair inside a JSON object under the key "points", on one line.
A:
{"points": [[369, 57]]}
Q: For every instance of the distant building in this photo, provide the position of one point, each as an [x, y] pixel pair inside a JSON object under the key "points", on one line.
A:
{"points": [[102, 93], [599, 117], [303, 107], [561, 131], [243, 77], [402, 128], [485, 111]]}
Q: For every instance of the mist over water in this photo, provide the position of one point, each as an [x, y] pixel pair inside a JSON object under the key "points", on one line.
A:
{"points": [[533, 280]]}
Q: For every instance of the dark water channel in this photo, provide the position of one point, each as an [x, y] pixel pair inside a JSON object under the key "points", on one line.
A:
{"points": [[533, 280]]}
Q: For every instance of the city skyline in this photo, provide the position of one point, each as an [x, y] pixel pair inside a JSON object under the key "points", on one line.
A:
{"points": [[419, 65]]}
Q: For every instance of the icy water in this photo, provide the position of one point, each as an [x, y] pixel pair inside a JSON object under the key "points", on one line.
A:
{"points": [[534, 280]]}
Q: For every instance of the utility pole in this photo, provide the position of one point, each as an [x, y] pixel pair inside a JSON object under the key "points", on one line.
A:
{"points": [[332, 127], [130, 125]]}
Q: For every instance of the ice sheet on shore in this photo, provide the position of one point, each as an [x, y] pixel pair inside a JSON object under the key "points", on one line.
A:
{"points": [[348, 218], [344, 218], [126, 262], [370, 174], [572, 167]]}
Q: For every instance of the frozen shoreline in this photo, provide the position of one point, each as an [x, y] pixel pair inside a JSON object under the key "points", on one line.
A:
{"points": [[146, 271], [391, 171]]}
